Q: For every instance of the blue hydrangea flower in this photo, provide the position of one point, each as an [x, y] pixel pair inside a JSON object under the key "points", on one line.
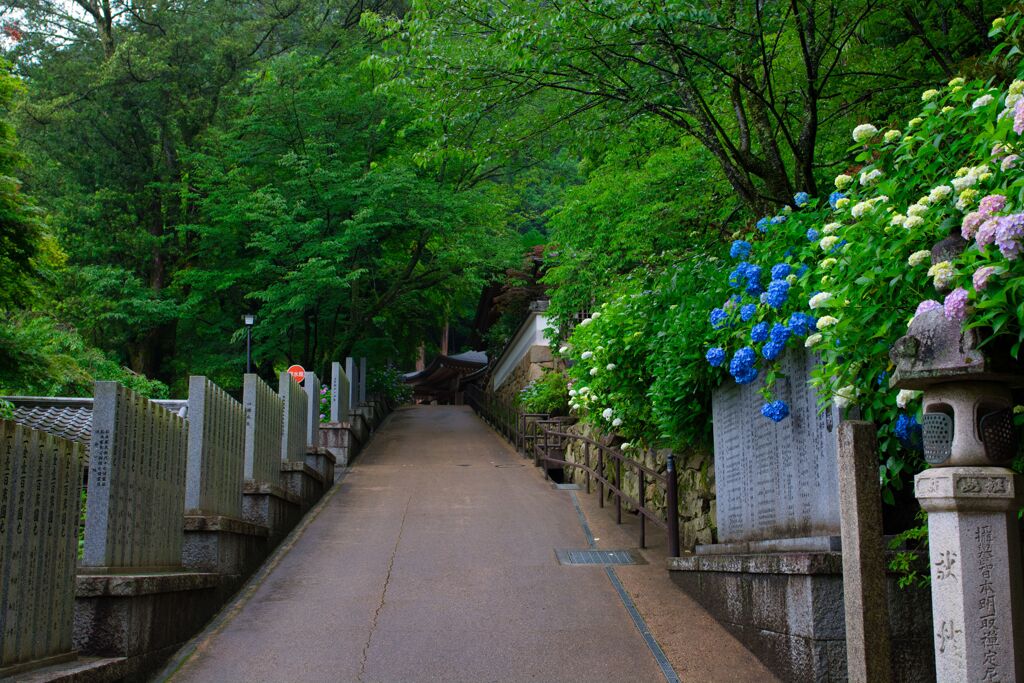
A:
{"points": [[800, 199], [715, 356], [812, 235], [780, 271], [776, 411], [908, 431], [741, 367], [779, 334], [778, 292], [763, 224], [772, 350], [759, 332], [753, 277], [735, 276], [740, 249], [801, 270], [718, 318], [747, 311], [800, 324], [882, 376], [778, 219], [834, 198]]}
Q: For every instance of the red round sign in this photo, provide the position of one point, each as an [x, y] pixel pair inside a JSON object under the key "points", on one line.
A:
{"points": [[297, 372]]}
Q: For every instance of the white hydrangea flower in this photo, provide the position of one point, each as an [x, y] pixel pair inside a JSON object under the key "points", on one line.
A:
{"points": [[587, 355], [946, 109], [870, 177], [812, 340], [859, 209], [904, 397], [982, 101], [958, 81], [843, 181], [1016, 88], [625, 446], [607, 413], [573, 392], [1012, 100], [828, 263], [830, 228], [617, 422], [593, 372], [898, 219], [585, 322], [864, 132], [828, 242], [919, 257], [913, 222], [943, 274], [940, 193], [842, 203], [819, 299], [966, 199], [915, 122], [892, 135], [928, 95], [610, 367], [844, 397], [563, 349], [791, 279], [584, 391], [826, 321], [917, 210]]}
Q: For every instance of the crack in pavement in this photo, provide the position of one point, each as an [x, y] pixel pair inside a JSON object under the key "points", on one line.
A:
{"points": [[383, 593]]}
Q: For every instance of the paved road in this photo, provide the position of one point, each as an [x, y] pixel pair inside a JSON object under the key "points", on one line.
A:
{"points": [[433, 562]]}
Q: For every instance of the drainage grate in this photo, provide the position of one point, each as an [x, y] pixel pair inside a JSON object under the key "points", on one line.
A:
{"points": [[597, 557], [504, 466], [566, 487]]}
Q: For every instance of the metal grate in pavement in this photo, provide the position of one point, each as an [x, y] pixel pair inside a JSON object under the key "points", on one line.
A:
{"points": [[566, 487], [597, 558]]}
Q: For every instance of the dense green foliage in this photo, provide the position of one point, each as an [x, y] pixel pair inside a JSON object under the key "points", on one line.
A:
{"points": [[545, 395]]}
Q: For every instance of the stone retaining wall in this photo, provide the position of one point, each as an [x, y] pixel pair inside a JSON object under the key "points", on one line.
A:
{"points": [[696, 476]]}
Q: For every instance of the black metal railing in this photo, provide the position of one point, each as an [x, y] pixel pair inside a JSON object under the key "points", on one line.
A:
{"points": [[544, 438]]}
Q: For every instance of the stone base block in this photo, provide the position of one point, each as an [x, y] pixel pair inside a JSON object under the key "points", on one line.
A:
{"points": [[13, 670], [223, 545], [340, 441], [323, 461], [787, 608], [359, 427], [82, 670], [303, 482], [272, 507], [808, 544], [134, 615]]}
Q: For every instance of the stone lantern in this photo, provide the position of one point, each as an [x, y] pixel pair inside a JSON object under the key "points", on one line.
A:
{"points": [[971, 498]]}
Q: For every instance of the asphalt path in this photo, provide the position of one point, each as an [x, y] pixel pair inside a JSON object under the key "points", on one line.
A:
{"points": [[434, 560]]}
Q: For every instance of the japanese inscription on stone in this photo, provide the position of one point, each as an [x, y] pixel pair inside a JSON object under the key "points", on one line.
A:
{"points": [[776, 480]]}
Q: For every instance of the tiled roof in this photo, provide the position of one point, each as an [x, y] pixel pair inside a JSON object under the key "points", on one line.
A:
{"points": [[74, 423]]}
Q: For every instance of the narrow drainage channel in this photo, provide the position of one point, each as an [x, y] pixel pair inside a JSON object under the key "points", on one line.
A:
{"points": [[659, 655]]}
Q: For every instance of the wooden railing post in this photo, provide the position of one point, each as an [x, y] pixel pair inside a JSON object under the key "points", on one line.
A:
{"points": [[586, 460], [643, 518], [672, 505]]}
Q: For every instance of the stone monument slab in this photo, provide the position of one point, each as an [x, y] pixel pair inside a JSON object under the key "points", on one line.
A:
{"points": [[777, 482], [216, 451], [295, 416], [340, 394], [264, 412]]}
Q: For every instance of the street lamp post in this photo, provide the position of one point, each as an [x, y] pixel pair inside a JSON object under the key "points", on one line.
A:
{"points": [[249, 319]]}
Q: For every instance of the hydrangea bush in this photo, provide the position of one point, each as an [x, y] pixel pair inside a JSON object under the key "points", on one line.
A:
{"points": [[842, 275]]}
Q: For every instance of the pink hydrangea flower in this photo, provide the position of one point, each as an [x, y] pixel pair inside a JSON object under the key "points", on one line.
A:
{"points": [[994, 203], [1018, 117], [927, 305], [1009, 162], [955, 306], [981, 277], [1009, 232], [969, 227], [987, 232]]}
